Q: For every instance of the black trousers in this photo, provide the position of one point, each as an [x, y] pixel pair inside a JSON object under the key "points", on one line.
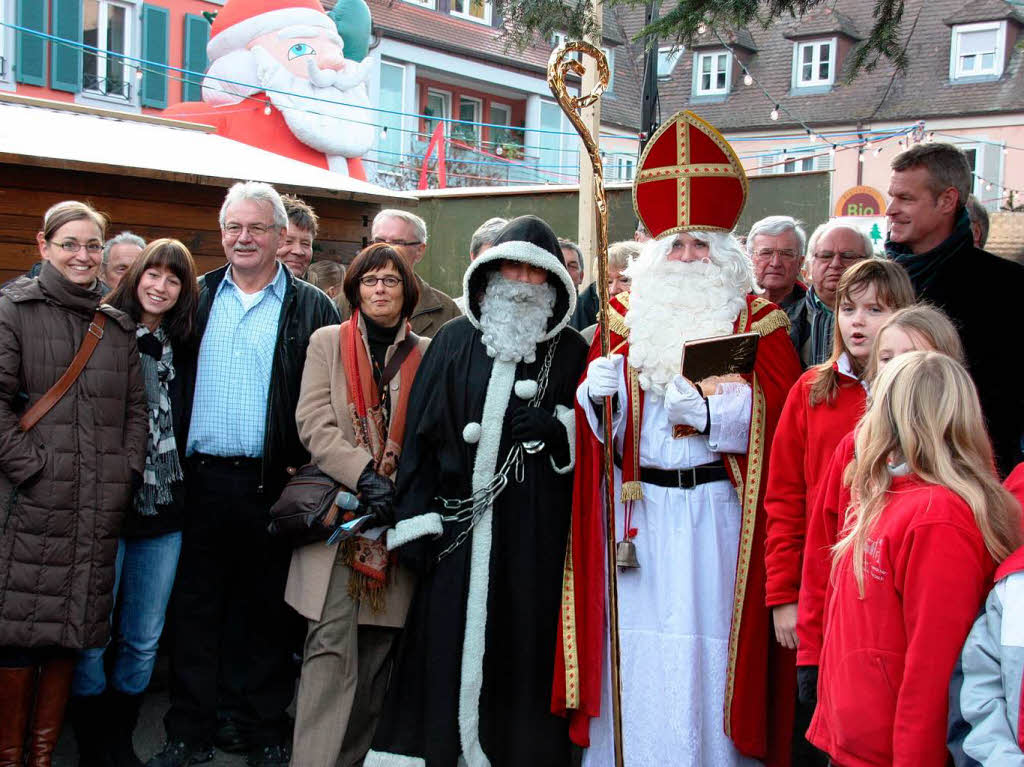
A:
{"points": [[232, 628]]}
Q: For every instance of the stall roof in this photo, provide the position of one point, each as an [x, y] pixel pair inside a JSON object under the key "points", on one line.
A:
{"points": [[57, 135]]}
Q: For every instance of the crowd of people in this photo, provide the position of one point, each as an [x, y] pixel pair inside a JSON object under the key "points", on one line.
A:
{"points": [[804, 548]]}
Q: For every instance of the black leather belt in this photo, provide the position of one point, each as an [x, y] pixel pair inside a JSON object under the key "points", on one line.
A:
{"points": [[681, 478], [221, 463]]}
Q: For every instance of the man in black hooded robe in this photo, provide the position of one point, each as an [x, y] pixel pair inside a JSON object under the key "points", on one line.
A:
{"points": [[484, 497]]}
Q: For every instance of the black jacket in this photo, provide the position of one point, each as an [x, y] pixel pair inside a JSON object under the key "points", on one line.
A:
{"points": [[981, 293], [305, 309]]}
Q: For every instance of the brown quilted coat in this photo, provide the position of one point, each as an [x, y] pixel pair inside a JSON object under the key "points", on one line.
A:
{"points": [[66, 484]]}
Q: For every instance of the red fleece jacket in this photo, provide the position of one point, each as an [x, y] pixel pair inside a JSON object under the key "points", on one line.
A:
{"points": [[888, 656], [803, 445], [827, 517]]}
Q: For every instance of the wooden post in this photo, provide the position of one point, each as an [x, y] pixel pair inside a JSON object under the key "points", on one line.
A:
{"points": [[587, 227]]}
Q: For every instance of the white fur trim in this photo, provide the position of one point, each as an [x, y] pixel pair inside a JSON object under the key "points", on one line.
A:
{"points": [[526, 388], [471, 433], [527, 253], [382, 759], [567, 416], [244, 32], [413, 528], [499, 391]]}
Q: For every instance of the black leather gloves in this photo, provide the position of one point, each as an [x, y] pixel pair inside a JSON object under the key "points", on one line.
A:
{"points": [[377, 496], [807, 685], [529, 423], [534, 423]]}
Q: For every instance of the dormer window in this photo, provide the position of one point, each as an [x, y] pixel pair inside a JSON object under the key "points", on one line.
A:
{"points": [[668, 56], [474, 10], [814, 63], [712, 73], [977, 50]]}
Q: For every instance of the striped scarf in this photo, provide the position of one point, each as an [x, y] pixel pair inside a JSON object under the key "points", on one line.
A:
{"points": [[162, 466]]}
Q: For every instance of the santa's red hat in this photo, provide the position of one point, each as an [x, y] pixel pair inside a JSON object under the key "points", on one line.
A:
{"points": [[239, 22], [689, 179]]}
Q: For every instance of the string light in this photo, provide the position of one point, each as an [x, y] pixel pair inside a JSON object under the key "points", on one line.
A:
{"points": [[384, 132], [832, 151], [748, 79], [138, 73], [860, 155], [775, 113], [266, 109], [878, 151], [702, 28]]}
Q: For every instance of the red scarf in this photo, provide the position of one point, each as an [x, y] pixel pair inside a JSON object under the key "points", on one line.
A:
{"points": [[369, 559]]}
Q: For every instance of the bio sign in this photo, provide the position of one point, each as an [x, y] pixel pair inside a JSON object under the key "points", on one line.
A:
{"points": [[859, 201]]}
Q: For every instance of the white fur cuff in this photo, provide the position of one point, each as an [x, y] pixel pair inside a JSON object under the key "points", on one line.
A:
{"points": [[413, 528], [381, 759], [567, 417]]}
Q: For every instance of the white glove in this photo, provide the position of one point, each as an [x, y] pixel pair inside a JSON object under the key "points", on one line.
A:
{"points": [[685, 405], [603, 376]]}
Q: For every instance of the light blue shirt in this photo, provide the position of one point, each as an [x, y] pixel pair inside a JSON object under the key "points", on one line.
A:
{"points": [[229, 411]]}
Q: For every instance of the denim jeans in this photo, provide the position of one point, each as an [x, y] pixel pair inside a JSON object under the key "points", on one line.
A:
{"points": [[142, 586]]}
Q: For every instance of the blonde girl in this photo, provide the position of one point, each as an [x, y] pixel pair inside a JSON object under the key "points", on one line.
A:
{"points": [[927, 525]]}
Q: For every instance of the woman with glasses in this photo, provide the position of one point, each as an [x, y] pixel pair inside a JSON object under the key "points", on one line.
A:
{"points": [[351, 417], [66, 481]]}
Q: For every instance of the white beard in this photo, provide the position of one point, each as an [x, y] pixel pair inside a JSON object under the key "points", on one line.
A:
{"points": [[514, 317], [314, 114], [671, 303]]}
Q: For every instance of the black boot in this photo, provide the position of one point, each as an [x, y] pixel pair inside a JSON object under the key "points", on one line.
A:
{"points": [[92, 722], [124, 710]]}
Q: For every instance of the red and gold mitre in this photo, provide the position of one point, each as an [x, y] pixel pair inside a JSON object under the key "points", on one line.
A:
{"points": [[689, 179]]}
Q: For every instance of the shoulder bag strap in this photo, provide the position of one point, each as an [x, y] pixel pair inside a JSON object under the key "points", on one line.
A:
{"points": [[391, 369], [92, 338]]}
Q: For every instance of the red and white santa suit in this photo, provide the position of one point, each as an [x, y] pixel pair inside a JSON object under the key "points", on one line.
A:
{"points": [[703, 682]]}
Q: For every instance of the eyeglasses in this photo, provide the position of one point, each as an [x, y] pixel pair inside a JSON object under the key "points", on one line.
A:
{"points": [[255, 230], [371, 280], [845, 256], [73, 246], [765, 254], [400, 243]]}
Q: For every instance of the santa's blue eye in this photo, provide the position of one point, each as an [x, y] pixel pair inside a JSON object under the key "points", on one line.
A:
{"points": [[301, 49]]}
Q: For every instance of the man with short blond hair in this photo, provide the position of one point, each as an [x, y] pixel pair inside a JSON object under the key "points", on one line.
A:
{"points": [[930, 235], [407, 233], [296, 249]]}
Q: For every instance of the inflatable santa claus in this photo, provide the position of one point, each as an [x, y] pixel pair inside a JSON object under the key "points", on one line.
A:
{"points": [[279, 79]]}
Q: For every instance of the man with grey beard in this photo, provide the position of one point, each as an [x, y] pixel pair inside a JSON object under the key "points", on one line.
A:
{"points": [[484, 495]]}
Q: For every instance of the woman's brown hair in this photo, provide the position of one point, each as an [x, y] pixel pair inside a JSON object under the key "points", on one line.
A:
{"points": [[179, 322], [68, 211], [375, 257], [893, 289], [929, 324]]}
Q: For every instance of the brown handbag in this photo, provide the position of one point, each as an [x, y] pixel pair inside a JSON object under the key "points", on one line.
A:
{"points": [[92, 338]]}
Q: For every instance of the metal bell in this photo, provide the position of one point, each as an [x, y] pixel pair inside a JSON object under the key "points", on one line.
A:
{"points": [[625, 554]]}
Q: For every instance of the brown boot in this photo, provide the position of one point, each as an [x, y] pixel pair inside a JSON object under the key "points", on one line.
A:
{"points": [[52, 692], [16, 687]]}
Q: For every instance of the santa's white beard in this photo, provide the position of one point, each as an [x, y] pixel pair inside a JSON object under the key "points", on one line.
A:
{"points": [[315, 116], [671, 303], [514, 317]]}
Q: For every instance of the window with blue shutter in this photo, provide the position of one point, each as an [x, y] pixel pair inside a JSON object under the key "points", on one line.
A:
{"points": [[197, 34], [30, 60], [155, 45], [66, 72]]}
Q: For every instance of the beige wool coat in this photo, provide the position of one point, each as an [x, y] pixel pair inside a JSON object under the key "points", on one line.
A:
{"points": [[325, 428]]}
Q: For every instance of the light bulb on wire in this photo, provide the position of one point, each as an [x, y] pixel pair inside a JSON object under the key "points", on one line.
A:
{"points": [[775, 112], [878, 151], [266, 109], [702, 28], [832, 151], [748, 79], [860, 155], [384, 132]]}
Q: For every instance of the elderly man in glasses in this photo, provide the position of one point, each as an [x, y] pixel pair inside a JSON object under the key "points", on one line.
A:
{"points": [[407, 233], [832, 249]]}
